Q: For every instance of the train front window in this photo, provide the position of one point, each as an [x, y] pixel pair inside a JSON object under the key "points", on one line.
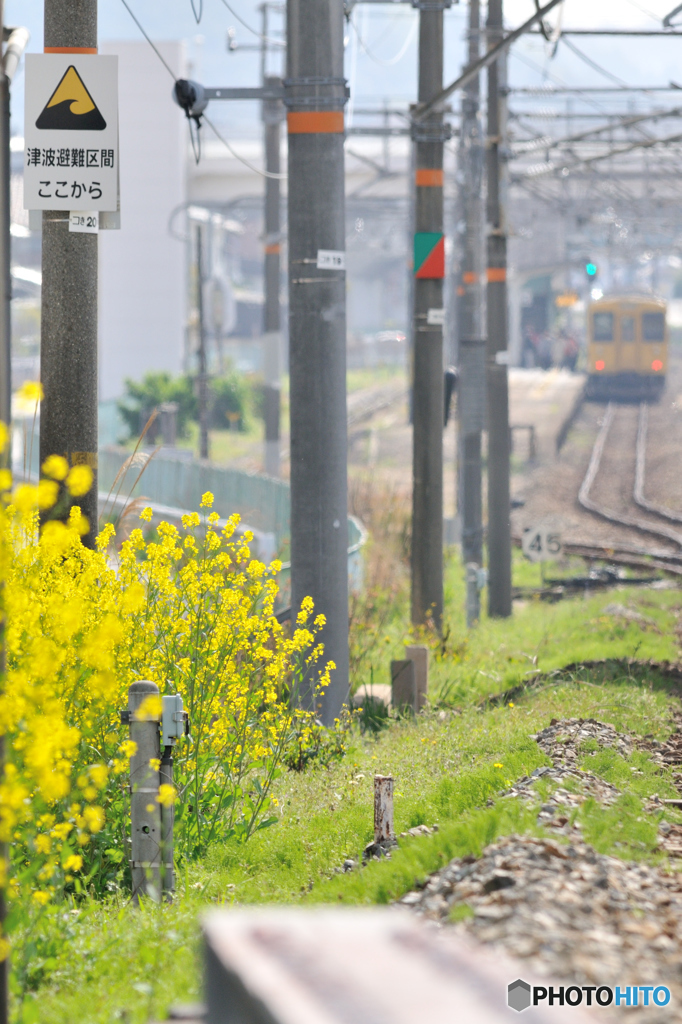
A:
{"points": [[627, 328], [602, 326], [653, 326]]}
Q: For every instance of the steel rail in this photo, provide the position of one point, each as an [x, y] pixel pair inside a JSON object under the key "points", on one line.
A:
{"points": [[640, 472], [620, 519]]}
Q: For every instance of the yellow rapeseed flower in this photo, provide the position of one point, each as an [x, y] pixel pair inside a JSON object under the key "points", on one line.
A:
{"points": [[79, 480]]}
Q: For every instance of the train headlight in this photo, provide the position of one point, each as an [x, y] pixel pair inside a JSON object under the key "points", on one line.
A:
{"points": [[600, 364], [657, 365]]}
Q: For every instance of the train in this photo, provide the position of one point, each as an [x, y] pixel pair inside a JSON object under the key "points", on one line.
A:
{"points": [[627, 348]]}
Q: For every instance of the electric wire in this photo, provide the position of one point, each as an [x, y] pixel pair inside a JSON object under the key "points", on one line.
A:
{"points": [[381, 61], [593, 64], [197, 17], [242, 160], [253, 31], [196, 142], [156, 51]]}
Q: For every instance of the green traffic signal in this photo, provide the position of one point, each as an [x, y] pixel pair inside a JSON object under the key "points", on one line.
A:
{"points": [[591, 269]]}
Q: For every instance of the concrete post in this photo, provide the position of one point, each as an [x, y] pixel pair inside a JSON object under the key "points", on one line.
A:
{"points": [[419, 656], [403, 686], [383, 808], [471, 397], [315, 98], [427, 408], [272, 118], [145, 810], [499, 523], [68, 334]]}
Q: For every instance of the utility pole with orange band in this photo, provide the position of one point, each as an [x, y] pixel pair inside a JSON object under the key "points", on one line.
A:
{"points": [[68, 326], [428, 136], [471, 388], [499, 504], [315, 96]]}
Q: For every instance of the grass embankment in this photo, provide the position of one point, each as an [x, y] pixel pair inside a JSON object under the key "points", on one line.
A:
{"points": [[119, 964]]}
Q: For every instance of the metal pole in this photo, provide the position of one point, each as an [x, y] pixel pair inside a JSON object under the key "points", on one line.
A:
{"points": [[427, 434], [272, 116], [499, 526], [202, 376], [471, 394], [315, 98], [68, 343], [145, 811]]}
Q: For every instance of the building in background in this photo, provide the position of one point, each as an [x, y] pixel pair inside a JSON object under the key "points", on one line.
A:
{"points": [[143, 273]]}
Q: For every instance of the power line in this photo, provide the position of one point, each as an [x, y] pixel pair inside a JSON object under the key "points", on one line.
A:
{"points": [[398, 56], [591, 63], [242, 160], [253, 31], [156, 51]]}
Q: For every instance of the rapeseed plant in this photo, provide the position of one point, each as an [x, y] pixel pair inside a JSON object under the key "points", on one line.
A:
{"points": [[186, 608]]}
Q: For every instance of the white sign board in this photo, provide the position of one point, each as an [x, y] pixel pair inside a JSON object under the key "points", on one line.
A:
{"points": [[84, 223], [331, 259], [541, 544], [71, 132], [435, 317]]}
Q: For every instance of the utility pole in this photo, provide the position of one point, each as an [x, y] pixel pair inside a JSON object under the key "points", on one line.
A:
{"points": [[428, 135], [499, 526], [68, 333], [315, 96], [272, 117], [16, 44], [472, 384], [202, 375]]}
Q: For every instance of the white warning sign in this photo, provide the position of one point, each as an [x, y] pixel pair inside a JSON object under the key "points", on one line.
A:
{"points": [[71, 132]]}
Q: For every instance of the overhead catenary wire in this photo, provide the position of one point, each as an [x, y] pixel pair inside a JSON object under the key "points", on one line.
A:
{"points": [[390, 61], [196, 144], [249, 28], [235, 154], [591, 63]]}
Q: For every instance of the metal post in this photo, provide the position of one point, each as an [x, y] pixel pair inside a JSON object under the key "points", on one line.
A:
{"points": [[202, 375], [315, 98], [167, 826], [68, 342], [471, 393], [427, 434], [145, 811], [499, 525], [272, 116]]}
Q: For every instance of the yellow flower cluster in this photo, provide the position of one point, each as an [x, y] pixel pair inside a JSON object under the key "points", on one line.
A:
{"points": [[188, 609]]}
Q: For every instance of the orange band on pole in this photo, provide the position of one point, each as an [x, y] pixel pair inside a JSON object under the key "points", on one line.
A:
{"points": [[429, 176], [497, 274], [70, 49], [469, 277], [272, 250], [313, 122]]}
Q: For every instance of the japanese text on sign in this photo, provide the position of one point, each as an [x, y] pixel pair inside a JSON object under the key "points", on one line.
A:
{"points": [[71, 132]]}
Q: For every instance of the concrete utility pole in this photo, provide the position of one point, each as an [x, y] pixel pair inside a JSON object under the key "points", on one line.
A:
{"points": [[428, 136], [315, 95], [68, 333], [202, 375], [499, 526], [16, 45], [272, 118], [472, 385]]}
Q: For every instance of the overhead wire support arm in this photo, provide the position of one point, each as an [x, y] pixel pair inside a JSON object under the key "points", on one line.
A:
{"points": [[489, 58]]}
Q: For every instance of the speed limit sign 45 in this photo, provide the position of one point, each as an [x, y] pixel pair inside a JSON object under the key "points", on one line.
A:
{"points": [[541, 544]]}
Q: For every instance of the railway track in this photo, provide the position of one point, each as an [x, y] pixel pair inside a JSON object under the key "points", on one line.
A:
{"points": [[653, 527]]}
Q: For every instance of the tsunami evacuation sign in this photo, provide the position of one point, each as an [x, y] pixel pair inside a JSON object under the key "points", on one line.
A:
{"points": [[71, 132]]}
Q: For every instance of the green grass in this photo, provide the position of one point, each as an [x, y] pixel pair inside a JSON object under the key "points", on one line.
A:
{"points": [[112, 963]]}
